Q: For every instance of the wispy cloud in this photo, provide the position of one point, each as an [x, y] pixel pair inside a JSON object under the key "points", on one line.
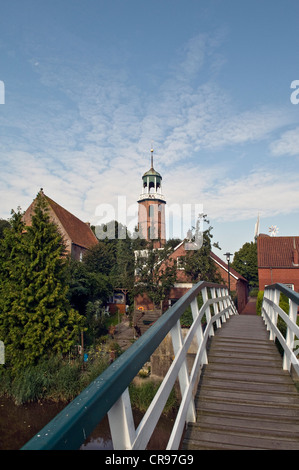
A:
{"points": [[88, 139], [287, 144]]}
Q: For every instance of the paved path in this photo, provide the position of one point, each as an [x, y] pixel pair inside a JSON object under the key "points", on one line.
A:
{"points": [[245, 400], [250, 308]]}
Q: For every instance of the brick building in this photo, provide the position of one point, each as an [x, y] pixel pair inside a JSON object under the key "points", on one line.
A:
{"points": [[77, 235], [278, 261], [238, 283]]}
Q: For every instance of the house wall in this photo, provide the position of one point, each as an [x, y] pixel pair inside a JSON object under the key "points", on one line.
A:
{"points": [[77, 252], [236, 285], [268, 276]]}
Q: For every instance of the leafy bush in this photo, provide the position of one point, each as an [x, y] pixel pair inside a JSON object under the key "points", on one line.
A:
{"points": [[142, 396], [259, 302], [52, 379]]}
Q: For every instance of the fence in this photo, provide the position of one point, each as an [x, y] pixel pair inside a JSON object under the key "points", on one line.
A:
{"points": [[271, 312]]}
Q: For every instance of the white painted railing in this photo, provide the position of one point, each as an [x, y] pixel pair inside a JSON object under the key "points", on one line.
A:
{"points": [[109, 393], [125, 436], [271, 311]]}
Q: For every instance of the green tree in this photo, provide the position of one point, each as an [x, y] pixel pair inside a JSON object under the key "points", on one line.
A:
{"points": [[86, 286], [122, 274], [4, 224], [36, 318], [100, 258], [245, 262], [156, 274], [113, 256], [198, 263]]}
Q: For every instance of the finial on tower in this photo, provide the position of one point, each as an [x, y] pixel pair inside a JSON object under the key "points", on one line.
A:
{"points": [[152, 157]]}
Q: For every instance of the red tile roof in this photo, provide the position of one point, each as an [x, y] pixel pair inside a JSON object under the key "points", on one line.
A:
{"points": [[277, 252], [79, 232]]}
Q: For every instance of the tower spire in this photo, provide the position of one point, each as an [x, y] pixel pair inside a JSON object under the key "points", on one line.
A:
{"points": [[152, 158]]}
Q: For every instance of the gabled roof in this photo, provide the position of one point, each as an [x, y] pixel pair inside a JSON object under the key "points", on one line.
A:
{"points": [[79, 232], [224, 266], [277, 252], [220, 263]]}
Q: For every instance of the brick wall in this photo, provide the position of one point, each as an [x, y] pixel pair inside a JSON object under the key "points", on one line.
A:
{"points": [[268, 276]]}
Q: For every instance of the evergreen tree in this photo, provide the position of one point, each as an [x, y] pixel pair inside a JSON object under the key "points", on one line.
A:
{"points": [[13, 257], [36, 318], [4, 224]]}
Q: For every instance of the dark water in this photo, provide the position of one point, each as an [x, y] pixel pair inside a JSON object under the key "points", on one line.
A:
{"points": [[18, 424]]}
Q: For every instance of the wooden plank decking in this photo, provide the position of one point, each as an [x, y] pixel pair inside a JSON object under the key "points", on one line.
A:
{"points": [[245, 400]]}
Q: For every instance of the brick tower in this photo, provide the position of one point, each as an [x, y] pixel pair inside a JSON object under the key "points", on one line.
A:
{"points": [[151, 210]]}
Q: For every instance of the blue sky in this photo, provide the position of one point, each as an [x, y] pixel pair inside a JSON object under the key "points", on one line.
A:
{"points": [[91, 85]]}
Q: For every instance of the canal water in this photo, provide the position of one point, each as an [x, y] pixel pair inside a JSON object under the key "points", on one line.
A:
{"points": [[18, 424]]}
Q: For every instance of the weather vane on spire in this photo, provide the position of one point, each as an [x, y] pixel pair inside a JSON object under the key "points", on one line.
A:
{"points": [[273, 230]]}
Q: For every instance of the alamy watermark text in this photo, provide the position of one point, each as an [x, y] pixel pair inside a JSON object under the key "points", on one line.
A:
{"points": [[295, 94], [2, 92]]}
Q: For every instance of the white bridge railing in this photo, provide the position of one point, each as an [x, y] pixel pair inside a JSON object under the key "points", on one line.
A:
{"points": [[271, 312], [109, 393]]}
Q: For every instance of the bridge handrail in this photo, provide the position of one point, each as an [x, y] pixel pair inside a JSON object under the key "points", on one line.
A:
{"points": [[108, 393], [270, 313]]}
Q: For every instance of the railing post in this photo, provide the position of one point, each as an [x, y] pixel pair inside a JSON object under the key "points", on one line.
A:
{"points": [[122, 423], [177, 343], [215, 307], [205, 298], [199, 332], [290, 336], [274, 314], [221, 305], [226, 302], [266, 307]]}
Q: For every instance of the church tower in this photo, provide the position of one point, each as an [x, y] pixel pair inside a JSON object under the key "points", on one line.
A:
{"points": [[151, 209]]}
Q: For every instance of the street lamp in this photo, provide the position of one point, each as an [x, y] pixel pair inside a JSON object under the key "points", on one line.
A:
{"points": [[228, 255]]}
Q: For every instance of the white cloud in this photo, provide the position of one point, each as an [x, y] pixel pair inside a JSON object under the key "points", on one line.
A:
{"points": [[266, 192], [288, 144], [91, 141]]}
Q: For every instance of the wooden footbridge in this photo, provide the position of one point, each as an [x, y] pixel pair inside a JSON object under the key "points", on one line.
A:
{"points": [[237, 394], [245, 400]]}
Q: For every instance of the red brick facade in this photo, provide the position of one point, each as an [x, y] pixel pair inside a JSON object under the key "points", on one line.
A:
{"points": [[278, 261], [151, 221]]}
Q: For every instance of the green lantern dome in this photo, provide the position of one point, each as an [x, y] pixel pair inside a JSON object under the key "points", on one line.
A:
{"points": [[152, 183]]}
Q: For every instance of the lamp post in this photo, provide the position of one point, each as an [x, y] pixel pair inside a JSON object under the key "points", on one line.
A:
{"points": [[228, 255]]}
